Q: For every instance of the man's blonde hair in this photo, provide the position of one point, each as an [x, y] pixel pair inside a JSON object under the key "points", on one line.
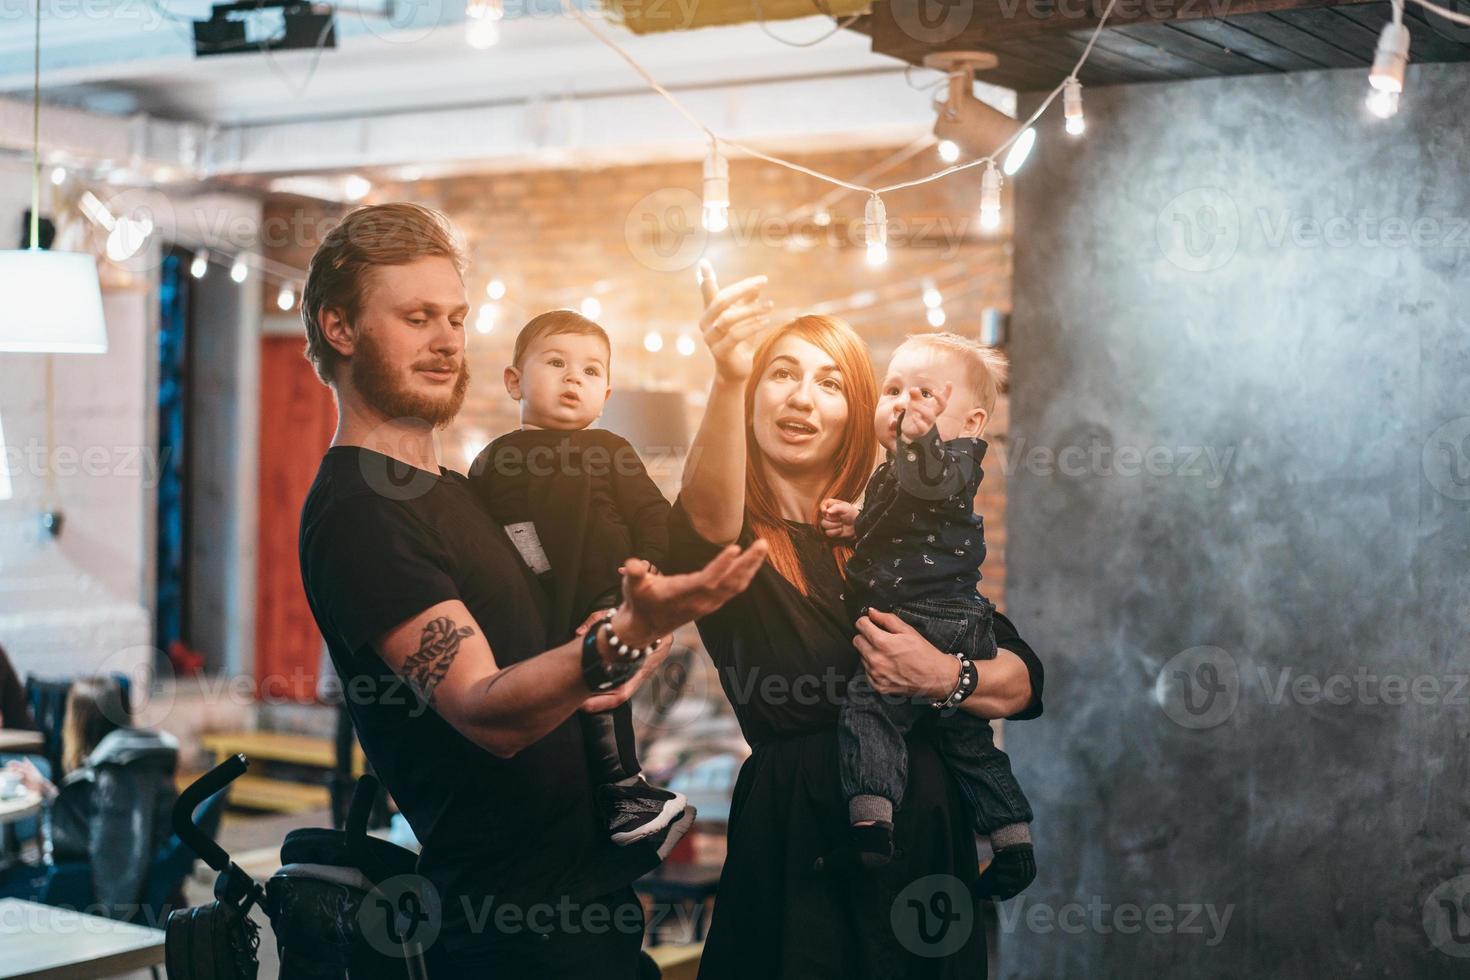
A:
{"points": [[986, 368], [366, 237]]}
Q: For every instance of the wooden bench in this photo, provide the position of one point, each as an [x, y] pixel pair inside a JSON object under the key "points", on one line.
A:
{"points": [[262, 792]]}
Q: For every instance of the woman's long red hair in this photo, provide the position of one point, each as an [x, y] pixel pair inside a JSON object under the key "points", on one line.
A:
{"points": [[856, 454]]}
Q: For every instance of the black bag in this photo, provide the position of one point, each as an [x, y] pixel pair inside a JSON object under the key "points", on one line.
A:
{"points": [[217, 941]]}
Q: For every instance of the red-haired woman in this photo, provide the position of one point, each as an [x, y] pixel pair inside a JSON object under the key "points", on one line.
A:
{"points": [[788, 424]]}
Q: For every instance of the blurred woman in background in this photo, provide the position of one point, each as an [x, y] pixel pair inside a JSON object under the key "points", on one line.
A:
{"points": [[110, 809]]}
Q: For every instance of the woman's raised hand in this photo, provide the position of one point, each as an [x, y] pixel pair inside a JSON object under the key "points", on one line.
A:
{"points": [[734, 318]]}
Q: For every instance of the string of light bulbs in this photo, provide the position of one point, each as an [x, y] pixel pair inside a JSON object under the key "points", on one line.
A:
{"points": [[875, 215]]}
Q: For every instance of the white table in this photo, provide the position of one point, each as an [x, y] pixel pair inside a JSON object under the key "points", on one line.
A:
{"points": [[19, 808], [38, 942]]}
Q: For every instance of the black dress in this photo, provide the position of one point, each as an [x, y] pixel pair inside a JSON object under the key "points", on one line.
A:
{"points": [[783, 660]]}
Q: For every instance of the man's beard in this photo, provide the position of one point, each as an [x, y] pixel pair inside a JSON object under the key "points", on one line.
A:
{"points": [[377, 381]]}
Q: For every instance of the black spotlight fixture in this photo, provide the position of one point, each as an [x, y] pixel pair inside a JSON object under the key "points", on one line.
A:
{"points": [[306, 25]]}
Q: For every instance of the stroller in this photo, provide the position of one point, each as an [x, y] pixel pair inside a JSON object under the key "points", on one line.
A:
{"points": [[343, 906]]}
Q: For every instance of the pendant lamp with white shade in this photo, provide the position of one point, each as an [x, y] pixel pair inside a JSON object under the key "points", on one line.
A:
{"points": [[53, 300]]}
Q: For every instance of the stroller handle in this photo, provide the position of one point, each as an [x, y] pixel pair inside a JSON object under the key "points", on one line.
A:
{"points": [[196, 793]]}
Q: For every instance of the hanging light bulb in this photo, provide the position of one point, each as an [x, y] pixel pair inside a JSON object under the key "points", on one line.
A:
{"points": [[875, 228], [591, 308], [1020, 150], [495, 290], [200, 265], [949, 151], [936, 316], [240, 270], [1072, 106], [716, 190], [58, 176], [932, 297], [990, 197], [653, 341], [482, 23], [684, 345], [286, 298], [1391, 58], [821, 217]]}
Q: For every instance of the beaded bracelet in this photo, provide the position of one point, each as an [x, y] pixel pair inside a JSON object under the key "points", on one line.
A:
{"points": [[964, 685], [621, 649]]}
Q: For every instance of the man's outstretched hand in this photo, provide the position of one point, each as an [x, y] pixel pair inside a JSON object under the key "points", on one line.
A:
{"points": [[654, 605]]}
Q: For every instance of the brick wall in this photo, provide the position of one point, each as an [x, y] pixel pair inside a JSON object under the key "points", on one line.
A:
{"points": [[629, 237]]}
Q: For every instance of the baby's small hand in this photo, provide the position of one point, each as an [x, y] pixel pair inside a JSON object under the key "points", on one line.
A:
{"points": [[923, 409], [838, 518]]}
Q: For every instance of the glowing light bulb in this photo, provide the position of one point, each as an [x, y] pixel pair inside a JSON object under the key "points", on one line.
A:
{"points": [[949, 151], [200, 265], [990, 198], [936, 316], [1072, 107], [821, 218], [653, 341], [591, 308], [716, 191], [240, 271], [286, 298], [356, 187], [684, 345], [875, 230], [1020, 150], [482, 23], [932, 297], [1383, 104], [487, 317], [58, 176], [495, 290]]}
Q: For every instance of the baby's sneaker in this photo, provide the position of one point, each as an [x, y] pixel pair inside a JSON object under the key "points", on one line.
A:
{"points": [[635, 810]]}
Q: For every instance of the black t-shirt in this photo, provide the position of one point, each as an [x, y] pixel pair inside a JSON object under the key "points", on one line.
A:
{"points": [[380, 542]]}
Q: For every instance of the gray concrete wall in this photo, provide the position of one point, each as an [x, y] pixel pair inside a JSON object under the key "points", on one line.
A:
{"points": [[1240, 531]]}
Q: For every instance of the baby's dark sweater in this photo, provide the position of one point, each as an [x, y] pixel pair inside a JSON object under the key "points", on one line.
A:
{"points": [[591, 501], [918, 534]]}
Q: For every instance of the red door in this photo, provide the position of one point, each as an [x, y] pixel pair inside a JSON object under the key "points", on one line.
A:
{"points": [[297, 418]]}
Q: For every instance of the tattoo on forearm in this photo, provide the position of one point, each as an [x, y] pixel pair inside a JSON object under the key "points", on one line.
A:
{"points": [[438, 646]]}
